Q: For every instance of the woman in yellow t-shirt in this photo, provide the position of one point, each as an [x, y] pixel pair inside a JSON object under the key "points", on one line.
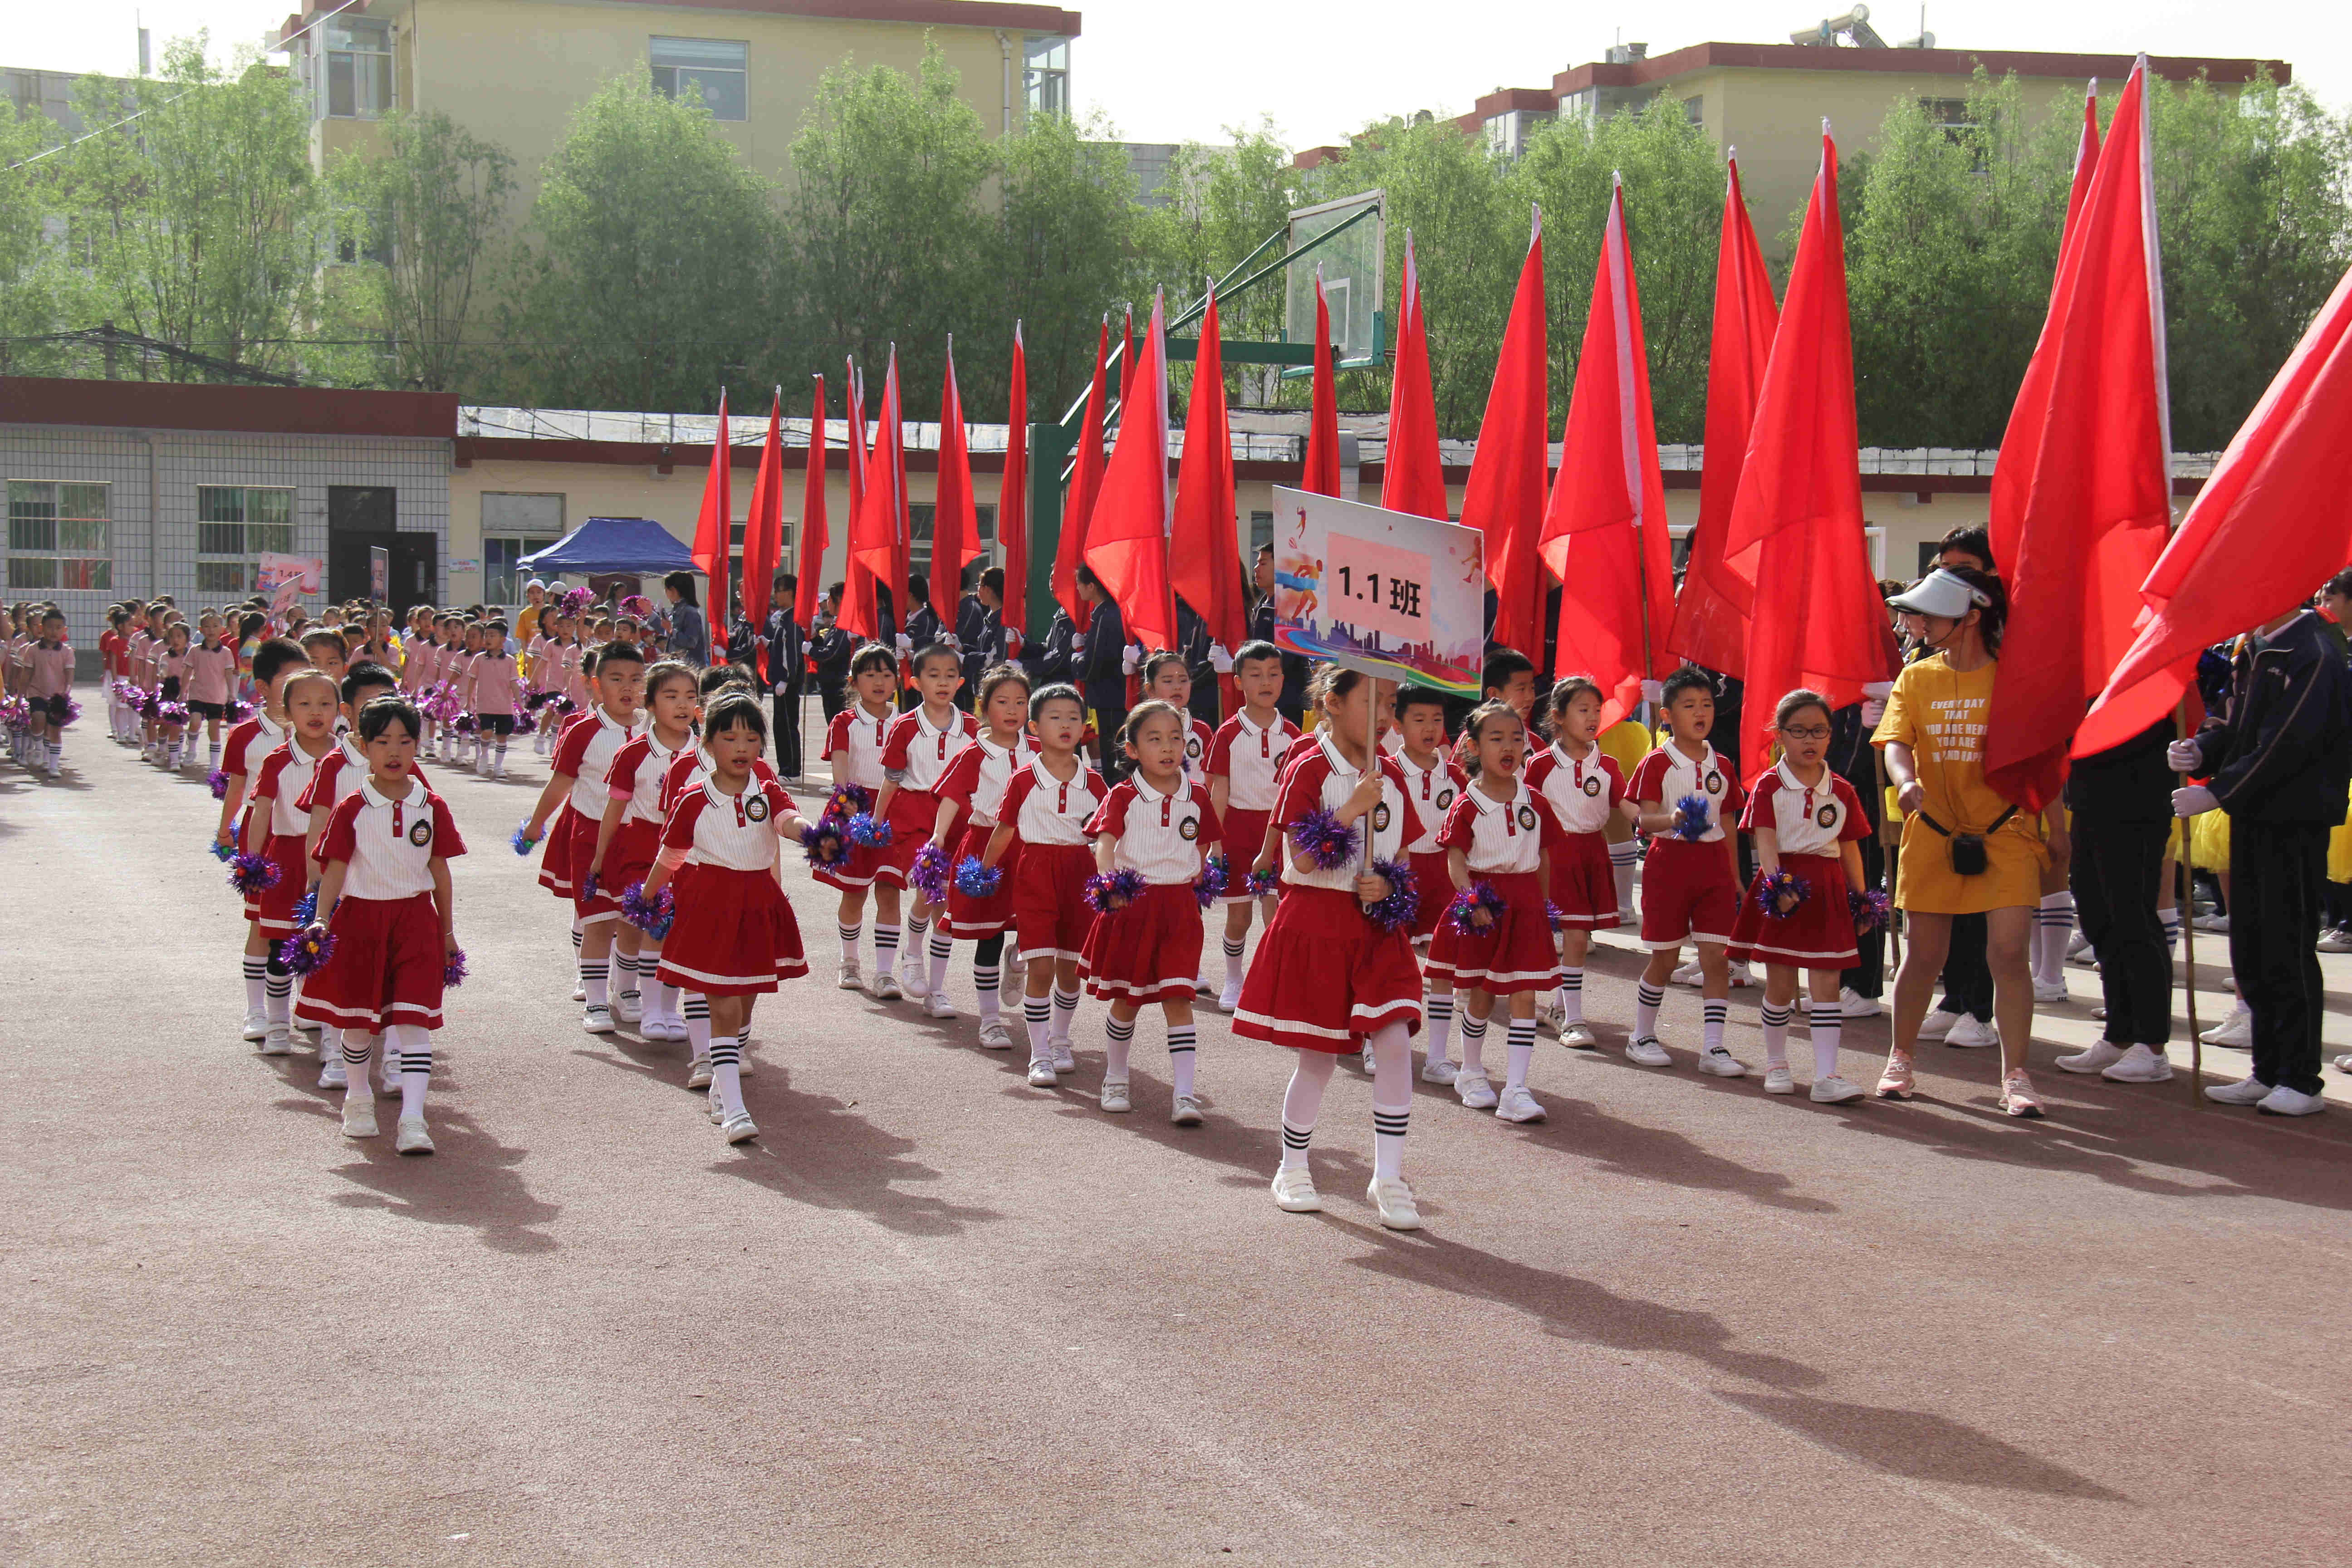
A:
{"points": [[1934, 734]]}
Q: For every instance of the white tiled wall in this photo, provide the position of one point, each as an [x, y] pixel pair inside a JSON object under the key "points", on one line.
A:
{"points": [[155, 541]]}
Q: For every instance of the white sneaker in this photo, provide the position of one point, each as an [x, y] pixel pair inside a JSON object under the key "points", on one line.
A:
{"points": [[1646, 1052], [2285, 1101], [2334, 938], [628, 1008], [1064, 1059], [1476, 1092], [1042, 1074], [1394, 1200], [256, 1025], [2141, 1064], [579, 990], [994, 1035], [1577, 1036], [412, 1138], [2237, 1029], [1834, 1091], [2247, 1091], [2343, 1063], [596, 1018], [1201, 986], [1365, 1061], [2080, 954], [2099, 1058], [937, 1005], [2213, 922], [744, 1066], [1690, 973], [501, 771], [851, 978], [1937, 1023], [1721, 1063], [1114, 1097], [1518, 1105], [1851, 1004], [886, 987], [1185, 1112], [1971, 1032], [331, 1074], [913, 984], [1551, 1015], [277, 1042], [1779, 1080], [1439, 1069], [661, 1026], [713, 1108], [2049, 990], [2077, 944], [739, 1128], [698, 1073], [1743, 975], [1227, 1000], [359, 1116], [1294, 1190]]}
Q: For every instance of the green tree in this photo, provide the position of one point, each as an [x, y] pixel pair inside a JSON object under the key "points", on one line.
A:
{"points": [[422, 209], [39, 288], [1219, 204], [1068, 248], [653, 268]]}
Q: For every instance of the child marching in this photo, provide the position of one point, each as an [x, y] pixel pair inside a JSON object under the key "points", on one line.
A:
{"points": [[923, 744], [854, 744], [1041, 850], [971, 793], [274, 867], [576, 794], [1245, 760], [1581, 784], [628, 837]]}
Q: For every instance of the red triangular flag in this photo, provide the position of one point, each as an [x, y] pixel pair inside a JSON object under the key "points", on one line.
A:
{"points": [[1079, 501], [2272, 522], [1322, 475], [1126, 540], [715, 524], [955, 518], [1413, 476], [1205, 557], [1127, 356], [1013, 497], [2088, 501], [1607, 521], [859, 612], [1710, 625], [1821, 623], [1504, 498], [814, 530], [764, 529], [873, 532]]}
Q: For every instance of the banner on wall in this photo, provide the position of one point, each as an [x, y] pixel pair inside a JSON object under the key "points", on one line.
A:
{"points": [[306, 572], [1400, 597]]}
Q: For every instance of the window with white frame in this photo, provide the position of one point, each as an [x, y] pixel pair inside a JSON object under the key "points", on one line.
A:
{"points": [[354, 65], [235, 524], [922, 517], [515, 524], [1045, 75], [717, 69], [60, 535]]}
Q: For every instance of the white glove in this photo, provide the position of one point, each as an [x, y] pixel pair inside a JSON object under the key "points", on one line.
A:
{"points": [[952, 641], [1882, 689], [1011, 643], [906, 644], [1873, 709], [1078, 646], [2189, 801], [2184, 756], [1127, 660], [1219, 659], [1654, 692]]}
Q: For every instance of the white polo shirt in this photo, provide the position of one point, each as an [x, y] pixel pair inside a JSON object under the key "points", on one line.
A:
{"points": [[1043, 809], [1502, 837], [1162, 836], [389, 845]]}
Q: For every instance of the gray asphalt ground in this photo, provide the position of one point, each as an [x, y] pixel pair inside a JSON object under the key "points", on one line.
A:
{"points": [[935, 1316]]}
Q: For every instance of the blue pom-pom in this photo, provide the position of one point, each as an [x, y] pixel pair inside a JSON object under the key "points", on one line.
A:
{"points": [[1693, 815], [974, 881], [652, 916], [306, 908], [1871, 910], [931, 874], [1773, 886], [1324, 840], [863, 829], [521, 839], [1398, 910], [1107, 892], [1479, 897], [221, 852]]}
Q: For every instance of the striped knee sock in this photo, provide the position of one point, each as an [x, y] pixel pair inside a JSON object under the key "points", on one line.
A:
{"points": [[1520, 1045], [851, 935], [984, 977], [1474, 1043], [698, 1025], [1038, 1013], [1388, 1140], [1571, 995], [1647, 1000], [256, 981], [1776, 1034], [1827, 1024], [942, 949], [1295, 1140], [1116, 1037], [1180, 1056], [626, 966], [1234, 946], [596, 976], [1065, 1009], [1439, 1013], [1718, 1012], [886, 948], [726, 1073]]}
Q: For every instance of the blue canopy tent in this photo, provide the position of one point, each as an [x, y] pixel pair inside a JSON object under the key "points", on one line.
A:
{"points": [[613, 545]]}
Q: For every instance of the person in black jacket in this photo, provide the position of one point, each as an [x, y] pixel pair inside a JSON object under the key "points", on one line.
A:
{"points": [[2278, 759], [1101, 670], [830, 649], [1193, 642], [786, 672], [981, 632], [2121, 802], [1055, 659]]}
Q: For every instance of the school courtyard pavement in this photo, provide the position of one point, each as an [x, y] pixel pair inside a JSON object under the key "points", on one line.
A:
{"points": [[934, 1316]]}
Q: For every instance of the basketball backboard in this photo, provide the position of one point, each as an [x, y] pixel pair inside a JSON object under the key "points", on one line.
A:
{"points": [[1354, 280]]}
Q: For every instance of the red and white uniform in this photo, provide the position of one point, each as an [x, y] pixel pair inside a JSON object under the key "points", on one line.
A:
{"points": [[1049, 817], [585, 754], [1433, 791], [341, 772], [1324, 974], [1583, 794], [916, 755], [1197, 741], [639, 775], [1504, 842], [977, 781], [686, 767], [734, 933], [278, 826], [1248, 757], [387, 963], [1689, 889], [1150, 951], [853, 745], [249, 740], [1813, 824]]}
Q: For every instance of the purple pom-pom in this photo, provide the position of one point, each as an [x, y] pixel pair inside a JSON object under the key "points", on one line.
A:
{"points": [[173, 714], [452, 967], [307, 951], [238, 712], [588, 886], [1693, 815], [863, 829], [1107, 892], [824, 843], [1556, 915], [1479, 897], [847, 800], [217, 782], [150, 705], [1398, 910], [466, 723], [1265, 881], [73, 711], [1773, 886], [931, 874], [1324, 840], [251, 874], [521, 838], [1871, 911], [1210, 885], [652, 916], [974, 881], [221, 852]]}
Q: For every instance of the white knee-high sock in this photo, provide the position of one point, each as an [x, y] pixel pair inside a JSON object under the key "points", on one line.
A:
{"points": [[1234, 946], [942, 948], [1439, 1013], [698, 1025], [1302, 1102], [1571, 995], [2053, 922], [886, 948], [1520, 1043], [1647, 1000], [1117, 1038], [851, 935], [1392, 1101], [625, 964], [277, 996], [1715, 1013], [1181, 1056], [1776, 1034], [256, 981], [1066, 1010], [1622, 858], [1037, 1012], [416, 1067], [985, 978], [726, 1073], [1826, 1024], [1473, 1043]]}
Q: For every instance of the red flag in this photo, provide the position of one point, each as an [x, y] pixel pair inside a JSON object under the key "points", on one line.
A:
{"points": [[1819, 620], [873, 532], [1205, 556], [1012, 496], [1413, 476], [1322, 475], [1127, 541], [2084, 485], [814, 533], [2269, 526], [1127, 356], [1079, 501], [1504, 498], [715, 525], [1607, 519], [1710, 623], [764, 529], [955, 519], [859, 612]]}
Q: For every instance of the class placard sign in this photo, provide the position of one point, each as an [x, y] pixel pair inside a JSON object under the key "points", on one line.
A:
{"points": [[1400, 597]]}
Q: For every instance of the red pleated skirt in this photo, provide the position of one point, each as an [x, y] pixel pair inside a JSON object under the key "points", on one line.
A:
{"points": [[555, 872], [1148, 952], [968, 919], [1516, 954], [1325, 975], [734, 933], [272, 908], [385, 968], [1049, 899], [1816, 934]]}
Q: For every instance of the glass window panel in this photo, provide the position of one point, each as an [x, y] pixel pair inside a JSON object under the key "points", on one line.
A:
{"points": [[517, 512], [220, 539], [726, 54], [724, 92], [83, 501], [31, 532], [375, 85], [220, 504], [358, 32], [269, 506], [83, 537], [32, 572], [99, 573], [221, 576], [277, 536], [342, 91]]}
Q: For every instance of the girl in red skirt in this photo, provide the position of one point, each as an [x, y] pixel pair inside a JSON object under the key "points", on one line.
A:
{"points": [[853, 745], [1584, 789], [1244, 772], [387, 903], [733, 936], [1497, 850], [629, 837], [1040, 848], [1433, 782], [922, 745], [1147, 948], [276, 827], [575, 798], [971, 792], [1336, 962], [1808, 825]]}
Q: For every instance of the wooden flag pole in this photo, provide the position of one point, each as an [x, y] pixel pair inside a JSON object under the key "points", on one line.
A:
{"points": [[2185, 895]]}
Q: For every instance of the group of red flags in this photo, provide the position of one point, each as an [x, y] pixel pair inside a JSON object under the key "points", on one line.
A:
{"points": [[2108, 607]]}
